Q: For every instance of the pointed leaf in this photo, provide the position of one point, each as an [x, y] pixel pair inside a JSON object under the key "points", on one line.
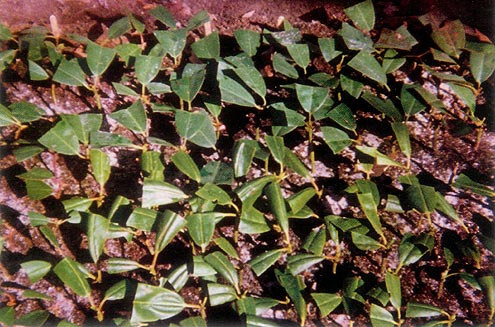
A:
{"points": [[186, 165], [97, 231], [399, 39], [36, 72], [293, 287], [385, 106], [68, 271], [248, 40], [235, 93], [391, 62], [326, 302], [366, 64], [419, 310], [147, 67], [61, 138], [69, 72], [300, 54], [354, 38], [328, 49], [119, 28], [380, 317], [369, 206], [482, 63], [343, 116], [167, 226], [197, 20], [277, 205], [201, 227], [83, 124], [36, 269], [300, 262], [217, 172], [311, 98], [142, 218], [243, 155], [133, 117], [99, 58], [179, 277], [364, 242], [100, 164], [188, 86], [158, 193], [362, 14], [121, 265], [280, 65], [392, 283], [335, 138], [214, 193], [224, 267], [252, 77], [450, 37], [207, 47], [152, 165], [174, 41], [250, 191], [463, 181], [265, 260], [402, 134], [152, 303], [252, 221], [196, 127], [219, 294]]}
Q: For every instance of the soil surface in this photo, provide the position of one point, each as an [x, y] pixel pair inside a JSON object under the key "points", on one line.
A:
{"points": [[439, 155]]}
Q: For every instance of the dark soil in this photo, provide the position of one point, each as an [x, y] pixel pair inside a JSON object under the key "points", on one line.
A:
{"points": [[438, 156]]}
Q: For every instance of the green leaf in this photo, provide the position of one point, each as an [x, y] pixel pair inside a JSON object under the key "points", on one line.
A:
{"points": [[293, 287], [36, 72], [369, 206], [402, 135], [26, 152], [119, 28], [35, 318], [61, 138], [256, 321], [224, 267], [362, 15], [207, 47], [276, 147], [252, 77], [201, 268], [196, 127], [133, 117], [364, 242], [36, 174], [328, 48], [293, 162], [97, 231], [7, 118], [410, 101], [422, 197], [186, 165], [248, 40], [265, 260], [7, 316], [482, 63], [385, 106], [219, 294], [300, 262], [487, 283], [278, 207], [380, 317], [409, 252], [214, 193], [117, 291], [250, 191], [37, 219], [463, 181], [189, 85], [201, 227], [300, 54], [354, 39], [326, 302], [174, 41], [6, 58], [447, 209], [38, 190], [391, 62], [243, 154], [366, 64], [147, 67], [227, 247], [351, 86], [217, 172], [442, 56], [335, 138], [121, 265], [311, 98], [167, 226], [5, 33], [343, 116], [163, 15], [392, 283], [70, 274], [152, 303], [252, 221], [83, 124], [197, 20], [420, 310], [36, 269], [100, 164], [128, 51], [179, 277], [450, 37], [69, 72], [280, 65], [399, 39], [234, 92], [152, 165], [99, 58], [298, 200], [465, 93], [142, 218], [103, 139], [315, 242], [380, 158], [158, 193]]}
